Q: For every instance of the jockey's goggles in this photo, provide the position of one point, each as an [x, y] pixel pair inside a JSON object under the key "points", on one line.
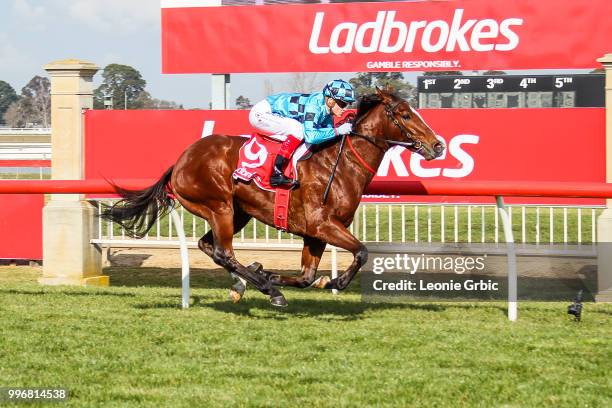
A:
{"points": [[341, 103]]}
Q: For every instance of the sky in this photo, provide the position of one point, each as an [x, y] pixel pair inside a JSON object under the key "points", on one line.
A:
{"points": [[36, 32]]}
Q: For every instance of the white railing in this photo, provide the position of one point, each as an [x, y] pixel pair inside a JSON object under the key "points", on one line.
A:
{"points": [[25, 151], [24, 131], [536, 228]]}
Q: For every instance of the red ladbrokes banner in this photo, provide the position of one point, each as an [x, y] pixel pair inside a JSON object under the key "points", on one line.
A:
{"points": [[483, 144], [417, 36]]}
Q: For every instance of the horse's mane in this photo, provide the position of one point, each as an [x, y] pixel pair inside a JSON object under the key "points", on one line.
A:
{"points": [[366, 103], [369, 102]]}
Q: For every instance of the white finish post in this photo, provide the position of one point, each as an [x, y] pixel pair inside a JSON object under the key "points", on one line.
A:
{"points": [[512, 276], [220, 91], [334, 261], [184, 257], [220, 95], [442, 225]]}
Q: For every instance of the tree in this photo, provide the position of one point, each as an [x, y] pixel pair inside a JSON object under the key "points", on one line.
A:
{"points": [[37, 96], [365, 82], [33, 107], [145, 101], [243, 102], [7, 97], [305, 82], [16, 115], [124, 84]]}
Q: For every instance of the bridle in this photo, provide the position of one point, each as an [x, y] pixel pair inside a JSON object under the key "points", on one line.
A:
{"points": [[412, 143]]}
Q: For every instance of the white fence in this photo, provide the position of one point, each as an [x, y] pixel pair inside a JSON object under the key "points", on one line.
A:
{"points": [[14, 144], [25, 151], [537, 229], [4, 131]]}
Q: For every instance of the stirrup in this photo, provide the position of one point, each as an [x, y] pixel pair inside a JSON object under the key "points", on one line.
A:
{"points": [[279, 179]]}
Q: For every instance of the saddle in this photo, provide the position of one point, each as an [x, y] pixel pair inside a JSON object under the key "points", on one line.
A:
{"points": [[256, 159], [255, 162]]}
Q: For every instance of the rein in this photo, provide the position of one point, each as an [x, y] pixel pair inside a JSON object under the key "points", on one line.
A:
{"points": [[390, 111], [411, 143]]}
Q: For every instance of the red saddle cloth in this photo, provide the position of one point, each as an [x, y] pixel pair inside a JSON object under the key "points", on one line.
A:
{"points": [[255, 163]]}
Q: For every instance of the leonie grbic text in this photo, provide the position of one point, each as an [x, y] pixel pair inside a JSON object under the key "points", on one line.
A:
{"points": [[421, 285]]}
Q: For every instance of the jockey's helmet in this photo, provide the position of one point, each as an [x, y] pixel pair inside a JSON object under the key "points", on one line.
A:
{"points": [[339, 90]]}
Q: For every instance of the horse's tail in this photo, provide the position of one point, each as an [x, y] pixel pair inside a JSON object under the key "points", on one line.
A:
{"points": [[138, 210]]}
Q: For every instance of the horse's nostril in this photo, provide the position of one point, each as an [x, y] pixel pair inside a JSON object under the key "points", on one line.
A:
{"points": [[438, 147]]}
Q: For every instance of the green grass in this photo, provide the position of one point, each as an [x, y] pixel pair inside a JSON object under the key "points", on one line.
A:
{"points": [[131, 345], [425, 231]]}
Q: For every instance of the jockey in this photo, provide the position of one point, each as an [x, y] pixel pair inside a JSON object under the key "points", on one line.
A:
{"points": [[293, 117]]}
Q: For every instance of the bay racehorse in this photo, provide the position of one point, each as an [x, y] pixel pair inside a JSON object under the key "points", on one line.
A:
{"points": [[201, 180]]}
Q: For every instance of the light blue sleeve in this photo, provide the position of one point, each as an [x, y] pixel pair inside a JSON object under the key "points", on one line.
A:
{"points": [[318, 128]]}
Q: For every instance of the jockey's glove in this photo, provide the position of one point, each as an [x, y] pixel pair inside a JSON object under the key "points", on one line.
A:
{"points": [[345, 129]]}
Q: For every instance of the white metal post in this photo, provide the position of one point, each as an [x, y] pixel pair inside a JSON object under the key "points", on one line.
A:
{"points": [[334, 271], [184, 257], [512, 276]]}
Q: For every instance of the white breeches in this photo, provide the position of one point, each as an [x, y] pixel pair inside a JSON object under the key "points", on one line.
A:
{"points": [[275, 126]]}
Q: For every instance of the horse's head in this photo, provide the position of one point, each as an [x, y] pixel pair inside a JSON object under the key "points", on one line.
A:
{"points": [[398, 124]]}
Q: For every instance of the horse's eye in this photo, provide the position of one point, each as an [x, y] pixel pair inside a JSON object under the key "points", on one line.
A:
{"points": [[406, 116]]}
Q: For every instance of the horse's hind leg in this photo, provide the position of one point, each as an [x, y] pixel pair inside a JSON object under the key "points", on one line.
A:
{"points": [[311, 256], [222, 225], [217, 243], [206, 245]]}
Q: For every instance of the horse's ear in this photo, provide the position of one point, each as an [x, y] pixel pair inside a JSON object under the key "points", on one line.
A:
{"points": [[382, 94], [389, 88]]}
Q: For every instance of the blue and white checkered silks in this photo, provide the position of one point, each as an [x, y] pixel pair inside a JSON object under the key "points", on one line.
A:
{"points": [[339, 89], [307, 109]]}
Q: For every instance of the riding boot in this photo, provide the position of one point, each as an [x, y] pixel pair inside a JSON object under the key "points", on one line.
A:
{"points": [[278, 177], [285, 152]]}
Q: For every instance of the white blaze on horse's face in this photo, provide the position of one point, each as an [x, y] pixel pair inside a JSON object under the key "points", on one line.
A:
{"points": [[433, 147]]}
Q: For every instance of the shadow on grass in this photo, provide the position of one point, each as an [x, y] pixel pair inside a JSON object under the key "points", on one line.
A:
{"points": [[260, 307], [323, 309], [168, 277], [320, 308], [198, 278]]}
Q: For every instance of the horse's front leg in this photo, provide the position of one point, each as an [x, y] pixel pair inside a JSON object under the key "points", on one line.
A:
{"points": [[311, 256], [335, 233]]}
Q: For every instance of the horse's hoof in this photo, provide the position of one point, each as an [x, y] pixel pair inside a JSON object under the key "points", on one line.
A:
{"points": [[234, 296], [237, 292], [321, 283], [279, 301]]}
